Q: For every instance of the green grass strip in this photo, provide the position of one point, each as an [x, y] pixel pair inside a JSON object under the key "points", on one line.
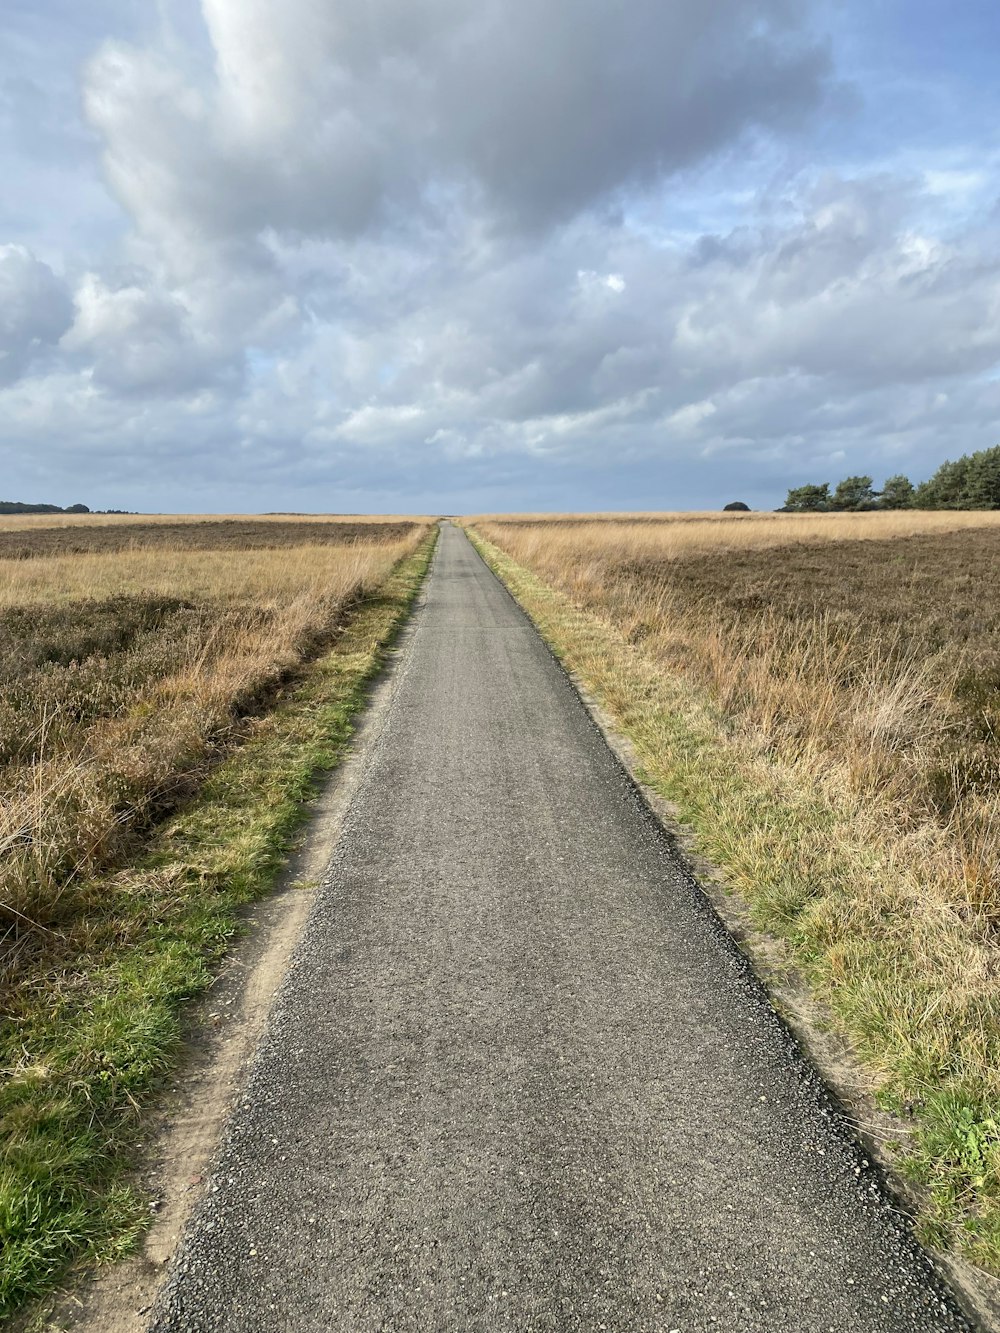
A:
{"points": [[89, 1051], [855, 924]]}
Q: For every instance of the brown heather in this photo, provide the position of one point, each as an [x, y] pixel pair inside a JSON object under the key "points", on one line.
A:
{"points": [[27, 522], [127, 670], [863, 646], [26, 543]]}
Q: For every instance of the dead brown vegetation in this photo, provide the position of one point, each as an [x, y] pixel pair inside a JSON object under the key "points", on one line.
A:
{"points": [[125, 673], [97, 537], [27, 522], [877, 656]]}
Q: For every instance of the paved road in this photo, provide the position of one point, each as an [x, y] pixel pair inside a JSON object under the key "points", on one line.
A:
{"points": [[518, 1077]]}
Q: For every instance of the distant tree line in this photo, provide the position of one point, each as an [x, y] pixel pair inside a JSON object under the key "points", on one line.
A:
{"points": [[971, 482], [19, 507]]}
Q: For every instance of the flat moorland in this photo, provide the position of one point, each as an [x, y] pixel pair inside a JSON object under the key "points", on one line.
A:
{"points": [[820, 697], [665, 533], [28, 522], [164, 708], [123, 674], [232, 534], [881, 651]]}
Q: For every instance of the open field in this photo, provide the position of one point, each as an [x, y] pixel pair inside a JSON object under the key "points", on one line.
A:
{"points": [[665, 534], [135, 687], [877, 656], [22, 522], [206, 535], [122, 674], [821, 699]]}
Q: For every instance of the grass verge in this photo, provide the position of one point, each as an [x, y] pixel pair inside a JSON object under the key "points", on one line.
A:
{"points": [[83, 1053], [912, 989]]}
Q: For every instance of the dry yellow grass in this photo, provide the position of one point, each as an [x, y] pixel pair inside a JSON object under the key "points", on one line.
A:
{"points": [[123, 674], [642, 536], [15, 522], [316, 574], [862, 647]]}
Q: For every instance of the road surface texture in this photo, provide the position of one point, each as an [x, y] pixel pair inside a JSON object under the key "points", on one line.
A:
{"points": [[518, 1076]]}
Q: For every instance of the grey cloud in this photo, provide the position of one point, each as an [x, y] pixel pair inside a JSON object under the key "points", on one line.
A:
{"points": [[140, 341], [327, 119], [771, 343], [857, 291], [601, 336], [568, 103], [35, 310]]}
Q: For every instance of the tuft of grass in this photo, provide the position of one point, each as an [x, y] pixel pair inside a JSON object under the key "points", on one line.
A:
{"points": [[791, 747], [87, 1041]]}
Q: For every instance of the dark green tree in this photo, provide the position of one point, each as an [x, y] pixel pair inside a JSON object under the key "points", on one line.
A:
{"points": [[897, 493], [854, 493], [808, 499], [982, 483], [946, 489]]}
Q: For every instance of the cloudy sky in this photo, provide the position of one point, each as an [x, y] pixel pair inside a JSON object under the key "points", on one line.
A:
{"points": [[466, 255]]}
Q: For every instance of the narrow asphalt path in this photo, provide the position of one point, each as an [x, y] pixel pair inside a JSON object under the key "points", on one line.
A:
{"points": [[518, 1077]]}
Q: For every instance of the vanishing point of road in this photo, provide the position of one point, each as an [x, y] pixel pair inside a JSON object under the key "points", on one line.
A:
{"points": [[518, 1077]]}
